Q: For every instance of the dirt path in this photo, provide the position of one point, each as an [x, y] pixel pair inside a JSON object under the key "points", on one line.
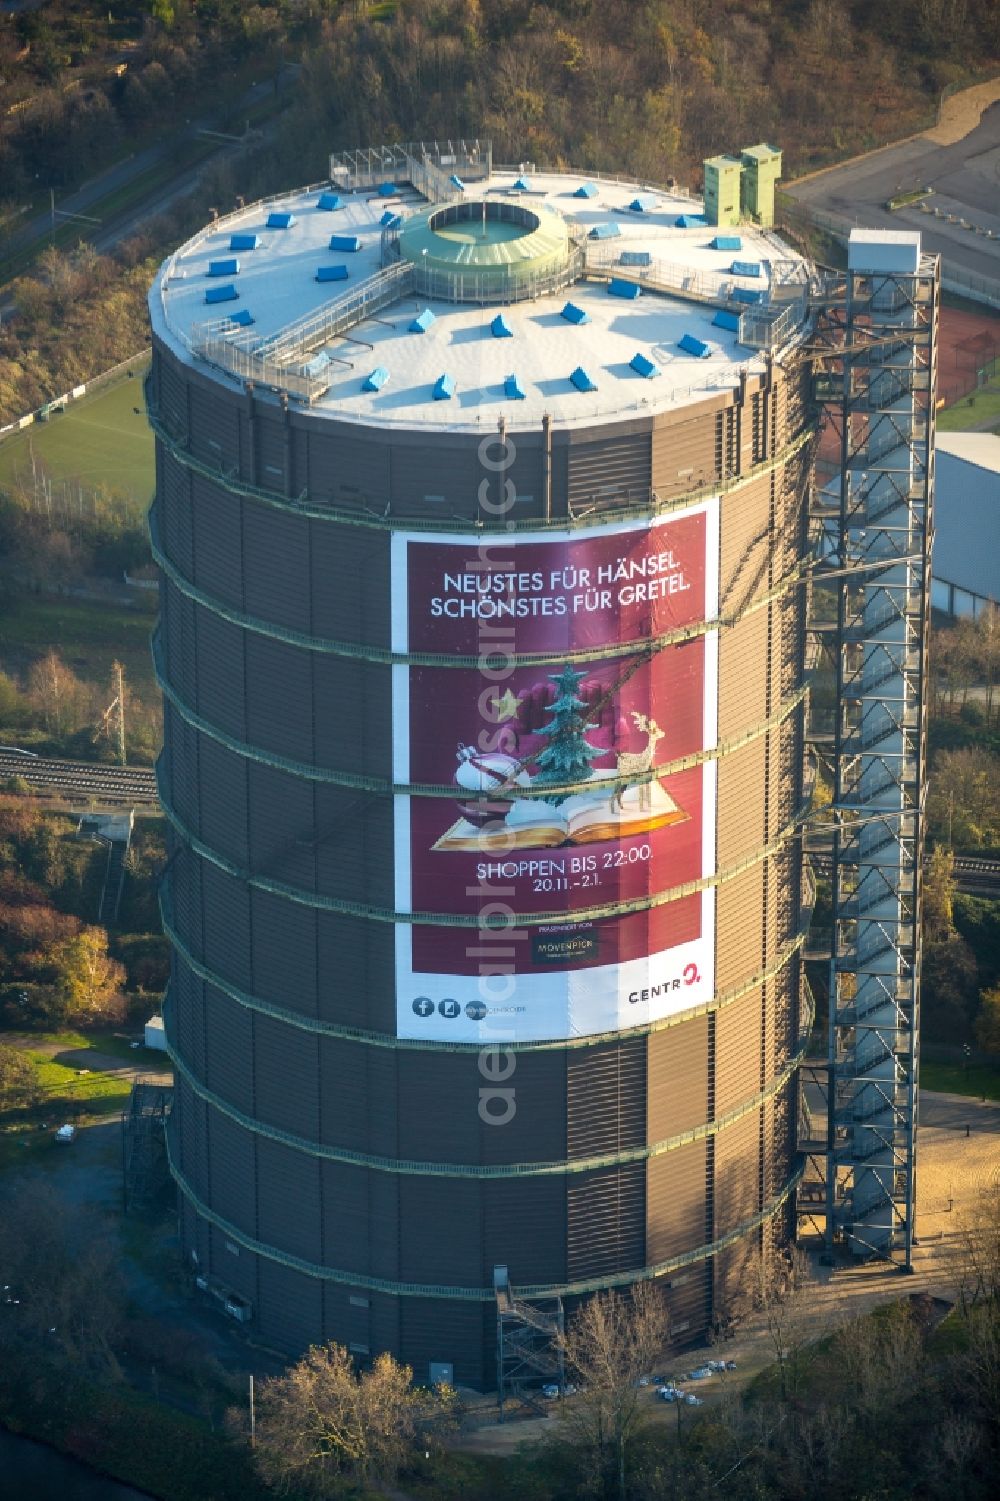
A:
{"points": [[962, 112]]}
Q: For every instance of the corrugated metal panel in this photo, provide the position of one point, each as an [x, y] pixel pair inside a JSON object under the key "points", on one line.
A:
{"points": [[346, 1212], [214, 435], [743, 675], [286, 1077], [229, 1050], [686, 452], [344, 1093], [279, 697], [233, 1171], [432, 1331], [291, 1306], [345, 470], [442, 1231], [235, 1267], [606, 1098], [675, 1202], [356, 972], [183, 781], [384, 1135], [173, 511], [742, 803], [605, 1221], [220, 672], [227, 926], [188, 1001], [223, 798], [288, 1204], [354, 845], [283, 829], [537, 1131], [347, 1317], [284, 951], [171, 392], [383, 1225], [737, 1174], [185, 887], [349, 572], [271, 453], [678, 1079], [363, 690], [276, 564], [218, 543], [524, 1228], [605, 471]]}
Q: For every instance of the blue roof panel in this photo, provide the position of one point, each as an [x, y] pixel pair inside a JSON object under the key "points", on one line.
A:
{"points": [[500, 328], [690, 221], [746, 294], [586, 190], [422, 322], [609, 230], [643, 366], [727, 242], [280, 220], [329, 201], [642, 205], [331, 273], [582, 380], [228, 293], [243, 242], [691, 345], [345, 242], [243, 318], [230, 266], [725, 319], [745, 268], [574, 314], [513, 389], [376, 380], [444, 390], [619, 288]]}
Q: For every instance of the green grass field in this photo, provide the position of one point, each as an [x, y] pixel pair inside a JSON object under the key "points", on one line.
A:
{"points": [[98, 440], [970, 410], [89, 637], [978, 1081]]}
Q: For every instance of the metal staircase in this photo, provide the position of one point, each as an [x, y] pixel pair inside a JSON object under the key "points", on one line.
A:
{"points": [[529, 1344]]}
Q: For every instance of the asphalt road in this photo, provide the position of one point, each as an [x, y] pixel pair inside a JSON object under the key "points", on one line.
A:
{"points": [[965, 178]]}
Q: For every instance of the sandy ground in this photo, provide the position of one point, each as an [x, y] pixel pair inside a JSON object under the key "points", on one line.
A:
{"points": [[953, 1169], [963, 112]]}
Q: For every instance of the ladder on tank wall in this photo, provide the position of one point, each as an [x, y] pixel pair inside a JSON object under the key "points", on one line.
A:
{"points": [[874, 537]]}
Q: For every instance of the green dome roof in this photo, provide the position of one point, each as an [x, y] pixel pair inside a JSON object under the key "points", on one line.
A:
{"points": [[494, 239]]}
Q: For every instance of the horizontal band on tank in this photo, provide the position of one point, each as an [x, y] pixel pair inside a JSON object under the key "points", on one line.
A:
{"points": [[477, 1294], [459, 920], [300, 505], [362, 783], [402, 1165], [365, 1038], [383, 656]]}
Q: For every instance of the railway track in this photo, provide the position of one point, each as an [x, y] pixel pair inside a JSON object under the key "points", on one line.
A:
{"points": [[974, 876], [81, 781]]}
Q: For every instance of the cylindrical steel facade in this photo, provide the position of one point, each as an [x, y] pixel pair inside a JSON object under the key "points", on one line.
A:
{"points": [[338, 1177]]}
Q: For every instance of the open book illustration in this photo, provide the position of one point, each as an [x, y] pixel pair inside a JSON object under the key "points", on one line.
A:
{"points": [[585, 818]]}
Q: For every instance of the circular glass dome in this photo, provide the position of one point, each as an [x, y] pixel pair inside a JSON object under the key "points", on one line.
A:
{"points": [[486, 247]]}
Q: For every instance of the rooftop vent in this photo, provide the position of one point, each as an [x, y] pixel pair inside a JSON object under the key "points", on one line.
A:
{"points": [[500, 328], [582, 380], [726, 242], [243, 242], [388, 190], [690, 221], [586, 190], [280, 219], [345, 242], [627, 289], [331, 273], [242, 319], [389, 220], [609, 230], [376, 380], [643, 366], [422, 322], [642, 205], [513, 389], [691, 345], [457, 182], [228, 267], [329, 201], [746, 294], [444, 390], [574, 314], [635, 258], [724, 319], [745, 268], [227, 293], [523, 185]]}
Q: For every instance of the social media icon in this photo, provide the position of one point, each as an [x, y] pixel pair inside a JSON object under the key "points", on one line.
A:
{"points": [[449, 1008], [423, 1005], [476, 1010]]}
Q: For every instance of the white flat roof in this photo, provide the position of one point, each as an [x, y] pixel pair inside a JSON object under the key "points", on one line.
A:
{"points": [[276, 284], [981, 449]]}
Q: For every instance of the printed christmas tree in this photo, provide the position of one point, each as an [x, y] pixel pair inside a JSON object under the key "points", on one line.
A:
{"points": [[567, 756]]}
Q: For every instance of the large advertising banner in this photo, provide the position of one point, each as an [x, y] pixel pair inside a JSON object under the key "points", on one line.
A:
{"points": [[554, 817]]}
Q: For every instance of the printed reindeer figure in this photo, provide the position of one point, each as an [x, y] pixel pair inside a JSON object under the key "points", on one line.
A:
{"points": [[631, 762]]}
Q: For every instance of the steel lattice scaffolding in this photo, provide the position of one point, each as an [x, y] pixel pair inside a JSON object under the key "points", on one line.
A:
{"points": [[529, 1344], [875, 532]]}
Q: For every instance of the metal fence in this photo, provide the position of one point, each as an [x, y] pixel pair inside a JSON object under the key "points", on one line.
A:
{"points": [[372, 165]]}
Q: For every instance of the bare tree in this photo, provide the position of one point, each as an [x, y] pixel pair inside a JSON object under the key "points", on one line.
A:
{"points": [[977, 1249], [882, 1355], [776, 1289], [323, 1423], [611, 1342]]}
